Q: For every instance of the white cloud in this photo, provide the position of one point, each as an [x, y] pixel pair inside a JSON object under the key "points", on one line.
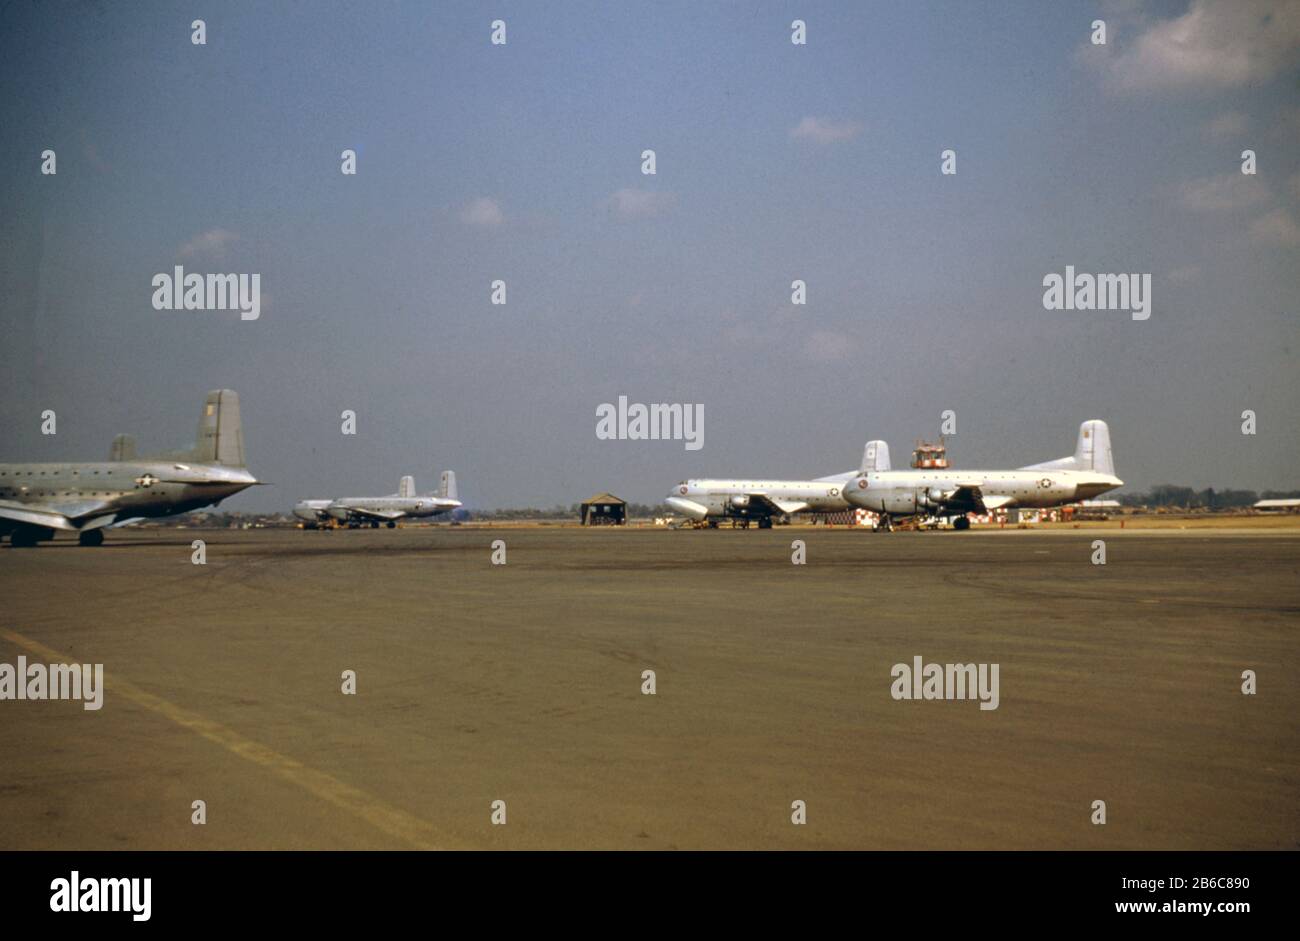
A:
{"points": [[825, 130], [1277, 227], [1215, 44], [210, 243], [483, 212], [1230, 191], [629, 203]]}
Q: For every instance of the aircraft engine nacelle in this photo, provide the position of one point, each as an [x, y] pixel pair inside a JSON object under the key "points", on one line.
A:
{"points": [[740, 500], [933, 497]]}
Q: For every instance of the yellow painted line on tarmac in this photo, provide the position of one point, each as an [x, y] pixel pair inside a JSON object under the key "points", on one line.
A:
{"points": [[378, 813]]}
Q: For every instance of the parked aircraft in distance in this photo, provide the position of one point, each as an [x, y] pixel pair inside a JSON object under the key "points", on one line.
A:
{"points": [[405, 504], [947, 493], [38, 500], [759, 500]]}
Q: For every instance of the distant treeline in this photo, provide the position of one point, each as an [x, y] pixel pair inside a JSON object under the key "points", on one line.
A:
{"points": [[1172, 495]]}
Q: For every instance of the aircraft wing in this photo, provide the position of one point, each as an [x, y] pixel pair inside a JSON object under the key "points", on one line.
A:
{"points": [[970, 496], [776, 506], [54, 515], [383, 515], [789, 506]]}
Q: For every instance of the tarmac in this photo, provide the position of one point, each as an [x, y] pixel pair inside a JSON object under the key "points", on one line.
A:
{"points": [[523, 683]]}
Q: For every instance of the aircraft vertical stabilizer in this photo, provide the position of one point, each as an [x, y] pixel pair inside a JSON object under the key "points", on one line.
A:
{"points": [[221, 433], [875, 457], [1093, 450], [123, 449], [447, 486], [406, 487], [1091, 453]]}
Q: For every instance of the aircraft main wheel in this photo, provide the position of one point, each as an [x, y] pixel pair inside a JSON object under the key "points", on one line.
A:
{"points": [[961, 523], [765, 523], [22, 539], [392, 525], [94, 537]]}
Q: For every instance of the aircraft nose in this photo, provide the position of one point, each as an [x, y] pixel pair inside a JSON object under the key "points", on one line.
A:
{"points": [[855, 489]]}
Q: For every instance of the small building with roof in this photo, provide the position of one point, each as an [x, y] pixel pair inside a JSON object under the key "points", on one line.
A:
{"points": [[604, 509]]}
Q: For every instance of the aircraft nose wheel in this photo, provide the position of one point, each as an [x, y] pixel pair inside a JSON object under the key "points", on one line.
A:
{"points": [[94, 537]]}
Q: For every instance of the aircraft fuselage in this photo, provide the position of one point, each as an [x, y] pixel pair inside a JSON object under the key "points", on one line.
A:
{"points": [[126, 489], [907, 492], [699, 499]]}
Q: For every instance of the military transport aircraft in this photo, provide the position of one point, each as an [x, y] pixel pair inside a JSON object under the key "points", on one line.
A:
{"points": [[405, 504], [946, 493], [760, 500], [38, 500]]}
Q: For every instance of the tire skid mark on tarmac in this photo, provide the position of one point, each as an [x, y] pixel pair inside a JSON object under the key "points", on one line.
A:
{"points": [[383, 816]]}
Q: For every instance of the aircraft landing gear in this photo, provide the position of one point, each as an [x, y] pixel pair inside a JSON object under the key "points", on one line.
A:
{"points": [[22, 538], [961, 523], [374, 525], [94, 537], [765, 522], [885, 524], [392, 524]]}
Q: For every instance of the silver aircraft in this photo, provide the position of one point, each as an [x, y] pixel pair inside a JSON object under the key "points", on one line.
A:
{"points": [[947, 493], [38, 500], [757, 500], [405, 504]]}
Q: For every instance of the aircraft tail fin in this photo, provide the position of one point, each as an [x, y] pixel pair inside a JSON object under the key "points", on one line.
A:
{"points": [[123, 449], [406, 487], [221, 433], [1091, 453], [875, 457], [447, 486]]}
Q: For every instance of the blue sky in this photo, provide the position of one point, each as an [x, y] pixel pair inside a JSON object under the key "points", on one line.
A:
{"points": [[775, 162]]}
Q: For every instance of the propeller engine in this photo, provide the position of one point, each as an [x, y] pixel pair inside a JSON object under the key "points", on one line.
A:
{"points": [[933, 497]]}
